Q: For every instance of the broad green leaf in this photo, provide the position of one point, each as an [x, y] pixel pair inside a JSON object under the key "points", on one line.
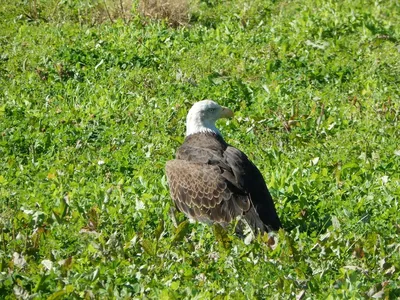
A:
{"points": [[180, 232]]}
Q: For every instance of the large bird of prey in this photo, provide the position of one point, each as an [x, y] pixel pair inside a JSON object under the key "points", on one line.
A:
{"points": [[213, 182]]}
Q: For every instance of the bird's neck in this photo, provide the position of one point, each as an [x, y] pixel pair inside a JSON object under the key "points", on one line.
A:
{"points": [[196, 125]]}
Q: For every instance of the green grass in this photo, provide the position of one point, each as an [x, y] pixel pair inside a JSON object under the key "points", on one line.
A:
{"points": [[91, 111]]}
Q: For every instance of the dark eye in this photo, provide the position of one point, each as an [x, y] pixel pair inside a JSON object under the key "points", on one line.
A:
{"points": [[212, 109]]}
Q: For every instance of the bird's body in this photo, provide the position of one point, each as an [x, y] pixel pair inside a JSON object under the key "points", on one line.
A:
{"points": [[213, 182]]}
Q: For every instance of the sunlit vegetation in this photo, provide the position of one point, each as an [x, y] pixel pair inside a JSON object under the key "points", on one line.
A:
{"points": [[93, 99]]}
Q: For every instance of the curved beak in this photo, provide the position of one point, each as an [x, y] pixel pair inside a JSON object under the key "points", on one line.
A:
{"points": [[226, 112]]}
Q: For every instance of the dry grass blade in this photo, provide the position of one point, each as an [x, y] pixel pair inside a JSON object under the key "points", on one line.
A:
{"points": [[175, 11], [111, 10]]}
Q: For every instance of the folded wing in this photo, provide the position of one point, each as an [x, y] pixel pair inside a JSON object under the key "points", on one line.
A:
{"points": [[204, 192]]}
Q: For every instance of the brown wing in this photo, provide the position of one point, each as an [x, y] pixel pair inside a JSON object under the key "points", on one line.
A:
{"points": [[248, 176], [204, 193]]}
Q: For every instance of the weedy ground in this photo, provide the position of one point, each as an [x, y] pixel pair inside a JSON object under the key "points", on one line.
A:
{"points": [[93, 99]]}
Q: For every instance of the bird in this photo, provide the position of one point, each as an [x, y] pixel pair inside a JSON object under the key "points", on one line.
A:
{"points": [[212, 182]]}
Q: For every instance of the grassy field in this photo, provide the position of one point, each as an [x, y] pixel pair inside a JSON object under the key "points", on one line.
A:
{"points": [[93, 100]]}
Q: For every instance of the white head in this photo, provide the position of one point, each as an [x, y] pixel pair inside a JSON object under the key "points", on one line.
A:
{"points": [[203, 115]]}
